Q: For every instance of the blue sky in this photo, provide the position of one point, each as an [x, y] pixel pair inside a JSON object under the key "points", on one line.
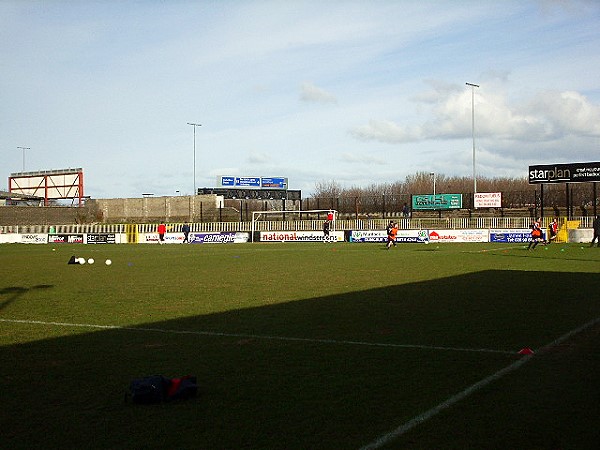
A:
{"points": [[356, 92]]}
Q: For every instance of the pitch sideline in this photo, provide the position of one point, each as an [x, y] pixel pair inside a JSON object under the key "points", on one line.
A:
{"points": [[392, 435], [258, 336]]}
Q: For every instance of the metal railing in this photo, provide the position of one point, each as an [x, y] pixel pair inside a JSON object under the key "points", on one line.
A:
{"points": [[455, 223]]}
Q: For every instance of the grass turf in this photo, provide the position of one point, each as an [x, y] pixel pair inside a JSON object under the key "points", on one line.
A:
{"points": [[298, 345]]}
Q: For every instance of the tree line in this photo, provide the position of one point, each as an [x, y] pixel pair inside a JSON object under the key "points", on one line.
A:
{"points": [[516, 193]]}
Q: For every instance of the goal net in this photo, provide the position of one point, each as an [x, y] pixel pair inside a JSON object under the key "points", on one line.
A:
{"points": [[310, 220]]}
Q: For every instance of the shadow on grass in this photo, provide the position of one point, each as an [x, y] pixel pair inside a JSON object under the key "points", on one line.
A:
{"points": [[259, 391], [13, 293]]}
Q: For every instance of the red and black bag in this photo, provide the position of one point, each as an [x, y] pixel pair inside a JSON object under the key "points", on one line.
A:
{"points": [[157, 389]]}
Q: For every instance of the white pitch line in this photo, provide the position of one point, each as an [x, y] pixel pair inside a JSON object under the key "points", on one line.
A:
{"points": [[258, 336], [389, 437], [499, 249]]}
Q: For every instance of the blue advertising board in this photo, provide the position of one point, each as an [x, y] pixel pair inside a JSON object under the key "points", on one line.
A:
{"points": [[250, 182], [253, 182], [512, 236], [273, 183], [227, 181]]}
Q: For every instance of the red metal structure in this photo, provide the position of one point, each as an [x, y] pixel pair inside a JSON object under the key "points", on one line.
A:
{"points": [[48, 184]]}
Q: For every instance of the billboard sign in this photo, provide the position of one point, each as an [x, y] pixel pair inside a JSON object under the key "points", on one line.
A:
{"points": [[65, 238], [101, 238], [440, 201], [488, 200], [414, 236], [273, 183], [473, 235], [368, 236], [227, 181], [253, 182], [247, 182], [34, 238], [301, 236], [219, 238], [512, 235], [565, 173]]}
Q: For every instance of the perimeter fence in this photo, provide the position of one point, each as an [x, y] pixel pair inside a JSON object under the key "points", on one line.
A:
{"points": [[456, 223]]}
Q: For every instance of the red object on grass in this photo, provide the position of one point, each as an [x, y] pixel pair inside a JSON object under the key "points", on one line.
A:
{"points": [[526, 351]]}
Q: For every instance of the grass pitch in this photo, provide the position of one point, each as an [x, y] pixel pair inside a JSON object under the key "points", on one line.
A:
{"points": [[300, 346]]}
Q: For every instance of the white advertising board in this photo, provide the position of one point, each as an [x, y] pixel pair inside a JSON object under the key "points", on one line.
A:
{"points": [[34, 238], [488, 200], [414, 236], [458, 236], [300, 236], [10, 238]]}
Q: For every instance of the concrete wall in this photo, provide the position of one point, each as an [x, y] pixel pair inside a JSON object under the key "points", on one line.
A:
{"points": [[199, 208], [37, 215]]}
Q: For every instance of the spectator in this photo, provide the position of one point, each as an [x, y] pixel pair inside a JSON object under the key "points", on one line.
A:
{"points": [[596, 227]]}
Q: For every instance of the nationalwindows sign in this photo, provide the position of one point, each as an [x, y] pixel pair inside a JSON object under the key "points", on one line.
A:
{"points": [[565, 173]]}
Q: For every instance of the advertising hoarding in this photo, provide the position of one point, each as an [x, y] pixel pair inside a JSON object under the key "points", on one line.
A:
{"points": [[439, 201], [512, 236], [564, 173], [488, 200], [33, 238], [403, 236], [458, 236], [219, 238], [65, 239], [247, 182], [280, 183], [101, 238], [300, 236], [273, 183]]}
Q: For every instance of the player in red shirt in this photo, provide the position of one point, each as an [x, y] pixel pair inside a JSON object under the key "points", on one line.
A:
{"points": [[536, 234], [392, 231], [162, 229]]}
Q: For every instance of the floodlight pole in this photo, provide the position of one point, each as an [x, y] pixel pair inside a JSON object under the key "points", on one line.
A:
{"points": [[24, 148], [433, 175], [195, 125], [473, 86]]}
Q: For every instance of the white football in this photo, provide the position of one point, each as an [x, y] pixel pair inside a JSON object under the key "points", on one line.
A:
{"points": [[108, 262], [81, 260], [91, 261]]}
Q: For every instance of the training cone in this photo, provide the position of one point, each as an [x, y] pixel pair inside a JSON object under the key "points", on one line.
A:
{"points": [[73, 260], [526, 351]]}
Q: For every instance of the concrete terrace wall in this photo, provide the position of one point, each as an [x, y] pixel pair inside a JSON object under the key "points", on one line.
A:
{"points": [[199, 208], [36, 215]]}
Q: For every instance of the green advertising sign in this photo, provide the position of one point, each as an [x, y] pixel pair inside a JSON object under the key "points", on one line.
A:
{"points": [[440, 201]]}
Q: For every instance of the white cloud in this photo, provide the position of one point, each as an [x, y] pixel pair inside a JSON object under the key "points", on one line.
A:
{"points": [[258, 158], [566, 113], [547, 116], [388, 132], [362, 158], [311, 93]]}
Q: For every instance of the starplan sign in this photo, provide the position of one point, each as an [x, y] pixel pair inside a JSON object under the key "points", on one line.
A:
{"points": [[565, 173]]}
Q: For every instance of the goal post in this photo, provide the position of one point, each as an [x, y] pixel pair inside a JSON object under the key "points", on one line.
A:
{"points": [[330, 215]]}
